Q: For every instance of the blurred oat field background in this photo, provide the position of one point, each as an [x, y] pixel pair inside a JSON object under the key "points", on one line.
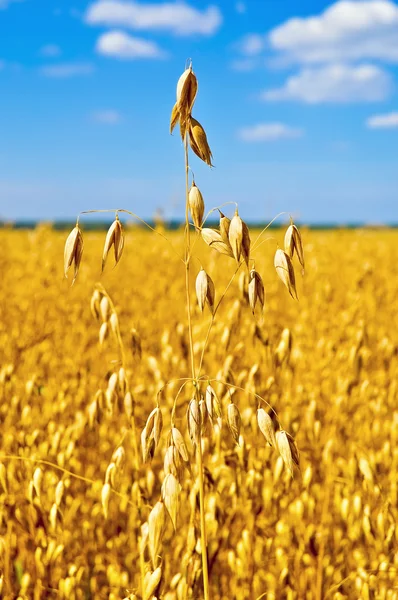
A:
{"points": [[328, 532]]}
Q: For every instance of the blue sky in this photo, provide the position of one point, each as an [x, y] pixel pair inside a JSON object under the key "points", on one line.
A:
{"points": [[299, 101]]}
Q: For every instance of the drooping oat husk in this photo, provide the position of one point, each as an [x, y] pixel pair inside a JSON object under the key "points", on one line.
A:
{"points": [[213, 406], [114, 237], [196, 205], [119, 457], [225, 224], [151, 434], [147, 446], [236, 236], [105, 496], [201, 288], [213, 239], [103, 333], [171, 489], [175, 117], [198, 141], [234, 421], [152, 583], [194, 421], [287, 449], [284, 268], [179, 443], [173, 462], [95, 304], [73, 251], [245, 243], [205, 290], [37, 481], [59, 492], [293, 243], [187, 88], [266, 426], [104, 309], [255, 290], [110, 474], [114, 323], [156, 525]]}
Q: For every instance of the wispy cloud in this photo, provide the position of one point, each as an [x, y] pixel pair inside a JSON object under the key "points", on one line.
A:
{"points": [[240, 7], [386, 121], [106, 117], [334, 83], [66, 70], [50, 51], [269, 132], [177, 18], [121, 45]]}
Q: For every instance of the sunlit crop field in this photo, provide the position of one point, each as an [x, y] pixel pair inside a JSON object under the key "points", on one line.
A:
{"points": [[328, 532]]}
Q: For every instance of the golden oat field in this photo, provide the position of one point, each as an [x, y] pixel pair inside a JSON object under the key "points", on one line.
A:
{"points": [[76, 498]]}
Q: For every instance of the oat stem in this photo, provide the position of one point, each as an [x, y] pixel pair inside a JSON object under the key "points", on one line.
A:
{"points": [[199, 457]]}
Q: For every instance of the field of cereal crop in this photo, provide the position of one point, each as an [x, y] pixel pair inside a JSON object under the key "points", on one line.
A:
{"points": [[73, 526]]}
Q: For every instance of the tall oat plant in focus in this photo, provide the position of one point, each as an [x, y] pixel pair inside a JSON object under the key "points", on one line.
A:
{"points": [[209, 402]]}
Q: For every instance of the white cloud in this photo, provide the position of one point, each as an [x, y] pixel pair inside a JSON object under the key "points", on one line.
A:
{"points": [[240, 7], [387, 121], [66, 70], [107, 117], [175, 17], [252, 45], [269, 132], [50, 50], [348, 30], [121, 45], [334, 83]]}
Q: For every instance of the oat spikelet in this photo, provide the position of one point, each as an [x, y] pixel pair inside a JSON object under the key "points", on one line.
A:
{"points": [[173, 462], [171, 489], [236, 235], [293, 243], [175, 117], [194, 421], [115, 238], [73, 251], [95, 304], [151, 583], [234, 421], [245, 243], [205, 290], [187, 88], [213, 239], [213, 406], [179, 443], [287, 449], [105, 496], [284, 268], [266, 426], [198, 141], [225, 224], [156, 525], [256, 290], [196, 205]]}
